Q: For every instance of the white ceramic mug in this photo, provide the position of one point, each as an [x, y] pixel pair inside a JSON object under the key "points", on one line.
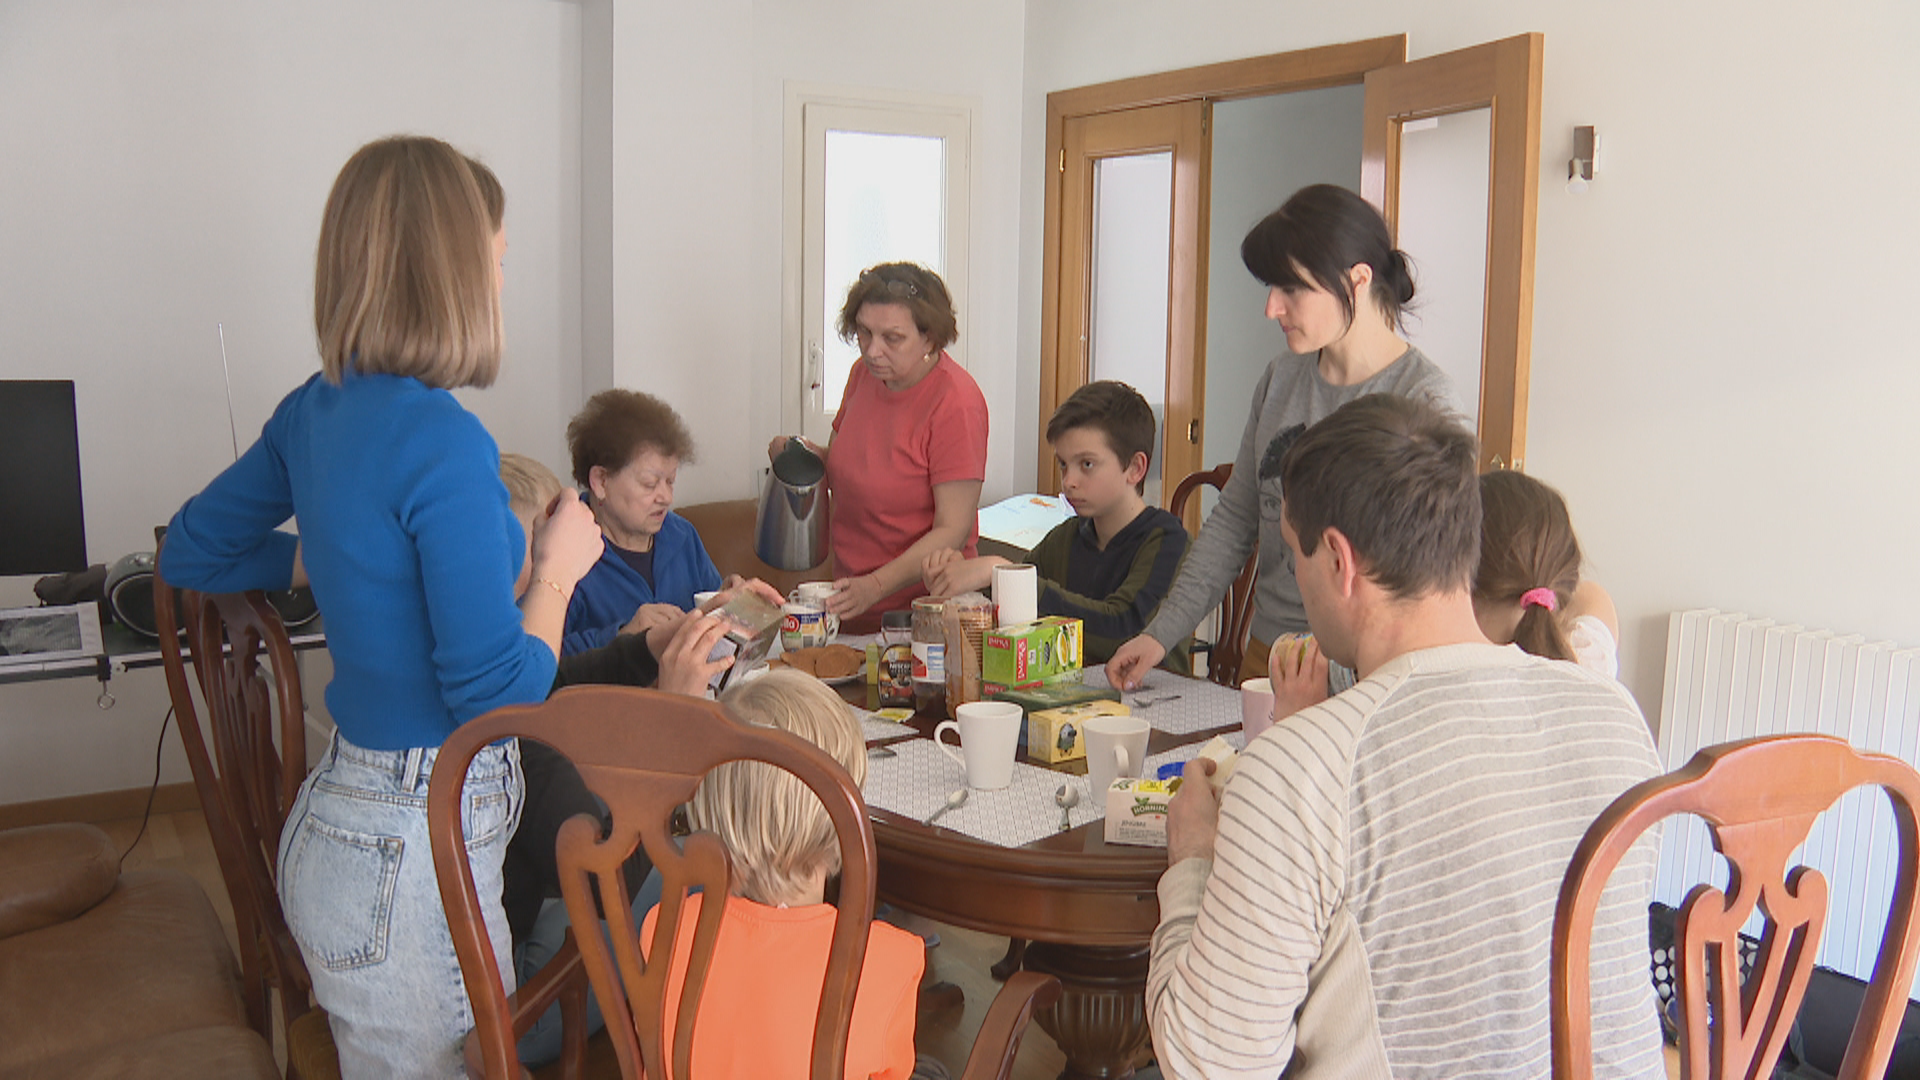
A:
{"points": [[989, 732], [1256, 706], [803, 625], [1116, 747], [816, 592]]}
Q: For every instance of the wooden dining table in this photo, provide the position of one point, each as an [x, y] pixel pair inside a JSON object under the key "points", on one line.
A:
{"points": [[1088, 908]]}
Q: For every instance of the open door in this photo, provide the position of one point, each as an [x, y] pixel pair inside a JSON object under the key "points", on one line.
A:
{"points": [[1132, 198], [1476, 276], [1493, 92]]}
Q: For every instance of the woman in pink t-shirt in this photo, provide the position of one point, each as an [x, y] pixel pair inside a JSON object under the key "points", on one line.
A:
{"points": [[909, 447]]}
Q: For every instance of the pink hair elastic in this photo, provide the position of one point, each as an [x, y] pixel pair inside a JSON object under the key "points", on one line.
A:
{"points": [[1540, 597]]}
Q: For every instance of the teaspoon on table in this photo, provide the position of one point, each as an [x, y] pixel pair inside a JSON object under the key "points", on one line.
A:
{"points": [[1066, 799], [955, 800]]}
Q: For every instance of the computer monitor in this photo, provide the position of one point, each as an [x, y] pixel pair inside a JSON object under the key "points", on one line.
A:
{"points": [[42, 526]]}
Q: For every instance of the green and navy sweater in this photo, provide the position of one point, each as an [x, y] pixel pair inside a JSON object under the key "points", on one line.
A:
{"points": [[1116, 591]]}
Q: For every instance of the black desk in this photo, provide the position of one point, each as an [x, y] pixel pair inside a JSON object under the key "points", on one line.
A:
{"points": [[124, 650]]}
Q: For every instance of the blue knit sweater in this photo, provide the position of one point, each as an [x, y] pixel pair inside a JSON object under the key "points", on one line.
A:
{"points": [[612, 591], [407, 540]]}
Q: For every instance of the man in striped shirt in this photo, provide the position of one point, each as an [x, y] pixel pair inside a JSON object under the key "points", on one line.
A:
{"points": [[1372, 894]]}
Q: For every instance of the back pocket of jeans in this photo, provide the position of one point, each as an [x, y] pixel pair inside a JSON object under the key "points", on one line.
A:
{"points": [[337, 888]]}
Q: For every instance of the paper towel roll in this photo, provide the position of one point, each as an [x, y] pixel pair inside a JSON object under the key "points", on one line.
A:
{"points": [[1016, 594]]}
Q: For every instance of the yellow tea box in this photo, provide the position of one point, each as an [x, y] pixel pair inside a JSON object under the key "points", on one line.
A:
{"points": [[1053, 735], [1137, 811], [1014, 655]]}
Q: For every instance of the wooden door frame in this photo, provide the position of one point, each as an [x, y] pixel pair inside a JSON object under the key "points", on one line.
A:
{"points": [[1503, 77], [1178, 127], [1305, 69]]}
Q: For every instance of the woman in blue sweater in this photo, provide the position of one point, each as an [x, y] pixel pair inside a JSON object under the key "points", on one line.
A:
{"points": [[412, 552], [627, 449]]}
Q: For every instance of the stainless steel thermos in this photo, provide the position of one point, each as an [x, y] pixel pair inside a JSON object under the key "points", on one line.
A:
{"points": [[790, 531]]}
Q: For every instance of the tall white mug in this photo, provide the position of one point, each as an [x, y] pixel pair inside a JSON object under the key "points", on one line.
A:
{"points": [[989, 733], [1116, 747]]}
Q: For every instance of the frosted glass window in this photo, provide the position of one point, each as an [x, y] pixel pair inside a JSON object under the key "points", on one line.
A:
{"points": [[866, 183], [1443, 228], [885, 201], [1132, 240]]}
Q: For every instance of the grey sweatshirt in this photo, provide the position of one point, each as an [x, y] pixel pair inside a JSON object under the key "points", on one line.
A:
{"points": [[1290, 396]]}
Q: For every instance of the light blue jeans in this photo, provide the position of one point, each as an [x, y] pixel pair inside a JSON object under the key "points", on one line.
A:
{"points": [[357, 884]]}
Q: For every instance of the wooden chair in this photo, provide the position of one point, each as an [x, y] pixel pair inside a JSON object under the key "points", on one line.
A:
{"points": [[726, 529], [1759, 798], [644, 752], [247, 775], [1229, 649]]}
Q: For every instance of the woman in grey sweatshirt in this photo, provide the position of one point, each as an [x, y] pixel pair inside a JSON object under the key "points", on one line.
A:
{"points": [[1336, 285]]}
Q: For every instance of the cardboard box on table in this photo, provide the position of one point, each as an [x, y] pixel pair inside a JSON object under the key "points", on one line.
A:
{"points": [[1015, 655], [1054, 735]]}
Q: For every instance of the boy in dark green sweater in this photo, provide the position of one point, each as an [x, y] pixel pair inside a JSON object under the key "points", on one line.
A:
{"points": [[1110, 566]]}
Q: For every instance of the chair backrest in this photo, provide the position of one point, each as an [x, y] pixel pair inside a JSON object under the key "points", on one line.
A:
{"points": [[1236, 608], [643, 752], [1759, 798], [247, 773], [727, 531]]}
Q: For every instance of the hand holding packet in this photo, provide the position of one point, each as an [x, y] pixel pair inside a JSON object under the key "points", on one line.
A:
{"points": [[752, 623]]}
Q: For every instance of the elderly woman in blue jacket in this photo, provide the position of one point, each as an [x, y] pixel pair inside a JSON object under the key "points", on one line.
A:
{"points": [[627, 448]]}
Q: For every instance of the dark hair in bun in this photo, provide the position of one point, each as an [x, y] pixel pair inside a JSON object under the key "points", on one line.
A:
{"points": [[1324, 230]]}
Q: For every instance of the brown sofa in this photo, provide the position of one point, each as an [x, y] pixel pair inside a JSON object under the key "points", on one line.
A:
{"points": [[104, 974]]}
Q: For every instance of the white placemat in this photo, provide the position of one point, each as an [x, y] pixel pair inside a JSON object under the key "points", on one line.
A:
{"points": [[1184, 754], [917, 779], [1176, 704]]}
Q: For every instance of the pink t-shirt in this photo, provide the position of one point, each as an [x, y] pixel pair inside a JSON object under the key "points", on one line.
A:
{"points": [[889, 449]]}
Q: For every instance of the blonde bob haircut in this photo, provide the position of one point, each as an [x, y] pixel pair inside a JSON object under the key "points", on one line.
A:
{"points": [[405, 281], [773, 826]]}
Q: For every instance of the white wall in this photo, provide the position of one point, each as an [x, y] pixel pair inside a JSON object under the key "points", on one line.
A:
{"points": [[1717, 385], [165, 167], [181, 157], [1720, 383], [698, 103]]}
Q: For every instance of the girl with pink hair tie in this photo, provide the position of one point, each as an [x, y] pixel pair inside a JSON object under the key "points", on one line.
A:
{"points": [[1528, 589]]}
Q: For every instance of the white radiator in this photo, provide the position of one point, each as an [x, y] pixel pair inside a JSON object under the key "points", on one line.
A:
{"points": [[1730, 676]]}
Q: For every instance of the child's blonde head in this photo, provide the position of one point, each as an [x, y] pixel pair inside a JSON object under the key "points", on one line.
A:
{"points": [[775, 827], [531, 486]]}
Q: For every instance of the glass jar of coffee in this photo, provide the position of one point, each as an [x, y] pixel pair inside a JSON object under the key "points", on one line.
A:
{"points": [[929, 657], [896, 658]]}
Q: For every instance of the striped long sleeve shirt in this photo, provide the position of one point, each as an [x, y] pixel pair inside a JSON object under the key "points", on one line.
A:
{"points": [[1381, 896]]}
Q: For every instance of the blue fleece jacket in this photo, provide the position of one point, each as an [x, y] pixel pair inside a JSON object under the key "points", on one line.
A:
{"points": [[408, 542], [613, 590]]}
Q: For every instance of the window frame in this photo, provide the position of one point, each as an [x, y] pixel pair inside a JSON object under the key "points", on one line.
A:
{"points": [[810, 112]]}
